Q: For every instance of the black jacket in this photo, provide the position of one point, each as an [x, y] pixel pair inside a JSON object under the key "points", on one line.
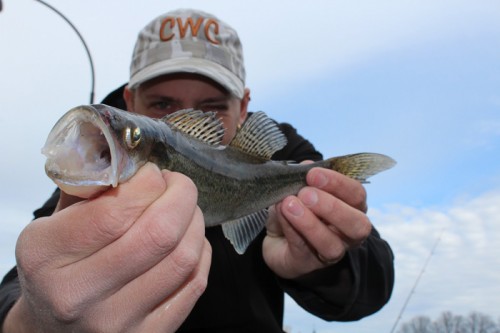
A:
{"points": [[244, 295]]}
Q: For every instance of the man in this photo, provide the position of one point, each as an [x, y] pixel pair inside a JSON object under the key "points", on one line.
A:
{"points": [[134, 259]]}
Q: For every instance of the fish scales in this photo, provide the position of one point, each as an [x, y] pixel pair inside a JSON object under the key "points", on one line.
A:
{"points": [[228, 185]]}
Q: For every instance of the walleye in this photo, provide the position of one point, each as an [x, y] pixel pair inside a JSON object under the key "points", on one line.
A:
{"points": [[93, 147]]}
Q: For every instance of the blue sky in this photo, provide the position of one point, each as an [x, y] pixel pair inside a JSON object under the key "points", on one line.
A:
{"points": [[433, 107], [417, 80]]}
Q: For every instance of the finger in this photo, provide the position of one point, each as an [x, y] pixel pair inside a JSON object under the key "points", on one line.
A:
{"points": [[273, 226], [346, 189], [170, 314], [320, 238], [352, 225], [162, 280], [295, 241], [66, 200], [287, 254]]}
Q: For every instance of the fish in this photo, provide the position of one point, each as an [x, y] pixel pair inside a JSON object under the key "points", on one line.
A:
{"points": [[94, 147]]}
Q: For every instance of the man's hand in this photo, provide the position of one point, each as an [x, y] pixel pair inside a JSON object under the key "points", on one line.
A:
{"points": [[315, 228], [134, 259]]}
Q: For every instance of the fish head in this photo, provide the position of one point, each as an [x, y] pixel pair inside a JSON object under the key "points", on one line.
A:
{"points": [[93, 147]]}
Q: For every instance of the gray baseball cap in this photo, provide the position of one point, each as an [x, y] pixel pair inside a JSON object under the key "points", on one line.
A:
{"points": [[189, 41]]}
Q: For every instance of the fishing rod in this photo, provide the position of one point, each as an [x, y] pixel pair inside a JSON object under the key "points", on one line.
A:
{"points": [[412, 291], [92, 74]]}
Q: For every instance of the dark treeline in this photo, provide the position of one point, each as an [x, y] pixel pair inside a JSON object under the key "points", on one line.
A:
{"points": [[447, 322]]}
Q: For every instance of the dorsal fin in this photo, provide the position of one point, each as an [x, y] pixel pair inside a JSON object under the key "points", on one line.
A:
{"points": [[259, 137], [204, 126]]}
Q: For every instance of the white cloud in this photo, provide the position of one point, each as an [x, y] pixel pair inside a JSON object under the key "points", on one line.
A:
{"points": [[461, 276]]}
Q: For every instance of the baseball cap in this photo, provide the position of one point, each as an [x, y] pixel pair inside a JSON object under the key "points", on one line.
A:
{"points": [[189, 41]]}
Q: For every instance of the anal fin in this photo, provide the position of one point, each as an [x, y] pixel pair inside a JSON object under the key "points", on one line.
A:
{"points": [[242, 232]]}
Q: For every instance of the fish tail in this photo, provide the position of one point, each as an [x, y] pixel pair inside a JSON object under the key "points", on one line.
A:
{"points": [[360, 166]]}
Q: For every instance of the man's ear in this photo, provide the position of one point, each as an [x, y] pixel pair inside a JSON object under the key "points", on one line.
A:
{"points": [[244, 105], [128, 96]]}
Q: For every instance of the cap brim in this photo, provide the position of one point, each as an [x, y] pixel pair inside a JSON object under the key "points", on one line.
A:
{"points": [[203, 67]]}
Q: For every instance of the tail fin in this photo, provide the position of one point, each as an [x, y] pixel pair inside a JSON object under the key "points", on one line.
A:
{"points": [[361, 166]]}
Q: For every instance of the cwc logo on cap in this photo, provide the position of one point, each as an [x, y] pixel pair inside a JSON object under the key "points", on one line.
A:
{"points": [[184, 24]]}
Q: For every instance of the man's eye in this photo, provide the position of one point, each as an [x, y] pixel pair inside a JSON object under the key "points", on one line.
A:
{"points": [[163, 105], [214, 107]]}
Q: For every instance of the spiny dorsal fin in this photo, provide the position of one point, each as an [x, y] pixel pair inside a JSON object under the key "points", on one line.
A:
{"points": [[243, 231], [204, 126], [259, 137]]}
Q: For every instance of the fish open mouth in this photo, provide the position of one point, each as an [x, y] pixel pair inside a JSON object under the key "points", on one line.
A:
{"points": [[81, 152]]}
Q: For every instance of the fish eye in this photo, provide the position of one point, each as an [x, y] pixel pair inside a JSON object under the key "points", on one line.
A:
{"points": [[132, 137]]}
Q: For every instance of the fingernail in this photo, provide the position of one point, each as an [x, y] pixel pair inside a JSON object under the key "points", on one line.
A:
{"points": [[295, 208], [309, 197], [319, 180]]}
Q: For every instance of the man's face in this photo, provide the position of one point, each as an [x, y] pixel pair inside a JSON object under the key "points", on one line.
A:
{"points": [[167, 94]]}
